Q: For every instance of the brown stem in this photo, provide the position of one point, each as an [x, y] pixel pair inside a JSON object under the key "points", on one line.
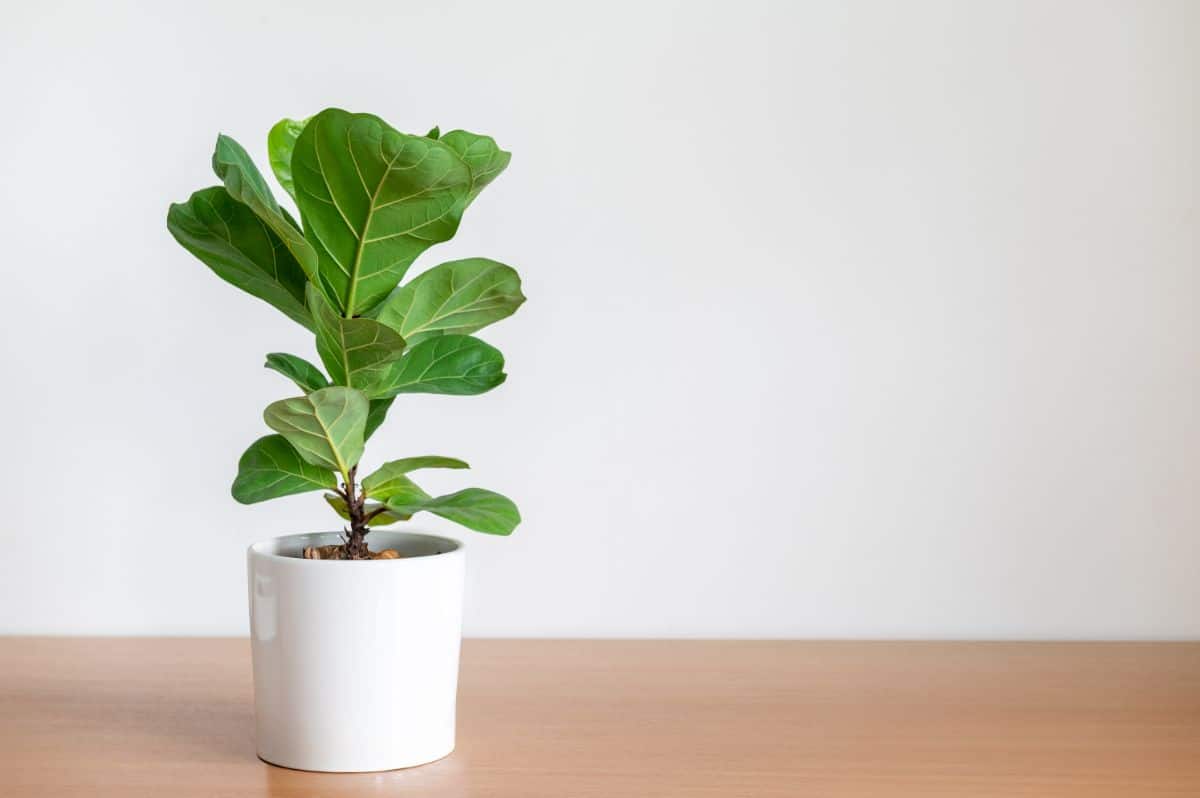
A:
{"points": [[355, 546]]}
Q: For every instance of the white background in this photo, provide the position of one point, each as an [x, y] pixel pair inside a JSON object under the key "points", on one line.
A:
{"points": [[845, 319]]}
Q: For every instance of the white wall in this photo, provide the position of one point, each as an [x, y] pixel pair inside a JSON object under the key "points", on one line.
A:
{"points": [[845, 319]]}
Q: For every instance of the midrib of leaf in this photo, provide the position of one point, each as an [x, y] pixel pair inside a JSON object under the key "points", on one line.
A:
{"points": [[451, 353], [437, 314], [362, 243], [435, 361], [333, 446], [345, 352]]}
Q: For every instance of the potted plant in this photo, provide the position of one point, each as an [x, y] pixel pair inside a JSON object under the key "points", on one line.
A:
{"points": [[355, 634]]}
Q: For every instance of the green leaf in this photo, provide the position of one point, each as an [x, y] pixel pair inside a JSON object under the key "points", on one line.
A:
{"points": [[384, 518], [433, 133], [383, 483], [376, 413], [307, 377], [358, 353], [396, 488], [460, 296], [481, 154], [475, 508], [235, 243], [448, 364], [272, 467], [373, 199], [326, 426], [246, 184], [281, 141]]}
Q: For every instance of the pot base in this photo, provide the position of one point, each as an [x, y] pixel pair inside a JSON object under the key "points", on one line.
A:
{"points": [[406, 766]]}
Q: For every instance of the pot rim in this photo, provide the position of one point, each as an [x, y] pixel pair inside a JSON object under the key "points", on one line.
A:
{"points": [[453, 548]]}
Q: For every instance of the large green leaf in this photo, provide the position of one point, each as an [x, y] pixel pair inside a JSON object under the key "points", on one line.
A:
{"points": [[239, 247], [325, 426], [447, 364], [481, 154], [460, 296], [307, 377], [246, 184], [381, 519], [388, 480], [281, 141], [358, 353], [272, 467], [373, 199], [474, 508], [376, 413]]}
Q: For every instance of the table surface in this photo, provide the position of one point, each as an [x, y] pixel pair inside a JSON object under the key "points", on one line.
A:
{"points": [[173, 717]]}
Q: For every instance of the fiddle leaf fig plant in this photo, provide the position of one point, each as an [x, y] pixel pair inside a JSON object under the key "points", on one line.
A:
{"points": [[370, 201]]}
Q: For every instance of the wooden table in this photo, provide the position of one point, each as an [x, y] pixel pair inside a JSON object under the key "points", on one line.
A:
{"points": [[173, 718]]}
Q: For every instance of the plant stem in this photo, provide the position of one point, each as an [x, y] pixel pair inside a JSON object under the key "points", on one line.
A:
{"points": [[355, 546]]}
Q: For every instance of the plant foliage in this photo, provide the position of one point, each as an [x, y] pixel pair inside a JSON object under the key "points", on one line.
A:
{"points": [[371, 200]]}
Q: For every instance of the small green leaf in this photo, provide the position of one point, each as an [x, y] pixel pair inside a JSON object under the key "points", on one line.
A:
{"points": [[447, 364], [460, 296], [396, 488], [384, 518], [326, 426], [246, 184], [475, 508], [307, 377], [280, 143], [376, 413], [235, 243], [338, 504], [380, 482], [358, 353], [434, 133], [272, 467]]}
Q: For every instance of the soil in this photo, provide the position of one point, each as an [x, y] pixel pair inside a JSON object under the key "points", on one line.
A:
{"points": [[338, 552]]}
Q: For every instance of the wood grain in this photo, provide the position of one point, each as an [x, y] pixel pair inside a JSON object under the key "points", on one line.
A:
{"points": [[172, 717]]}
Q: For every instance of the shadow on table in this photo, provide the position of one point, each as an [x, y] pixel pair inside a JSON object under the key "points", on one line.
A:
{"points": [[445, 774]]}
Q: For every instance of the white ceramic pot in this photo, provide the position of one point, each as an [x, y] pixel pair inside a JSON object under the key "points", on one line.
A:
{"points": [[355, 662]]}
